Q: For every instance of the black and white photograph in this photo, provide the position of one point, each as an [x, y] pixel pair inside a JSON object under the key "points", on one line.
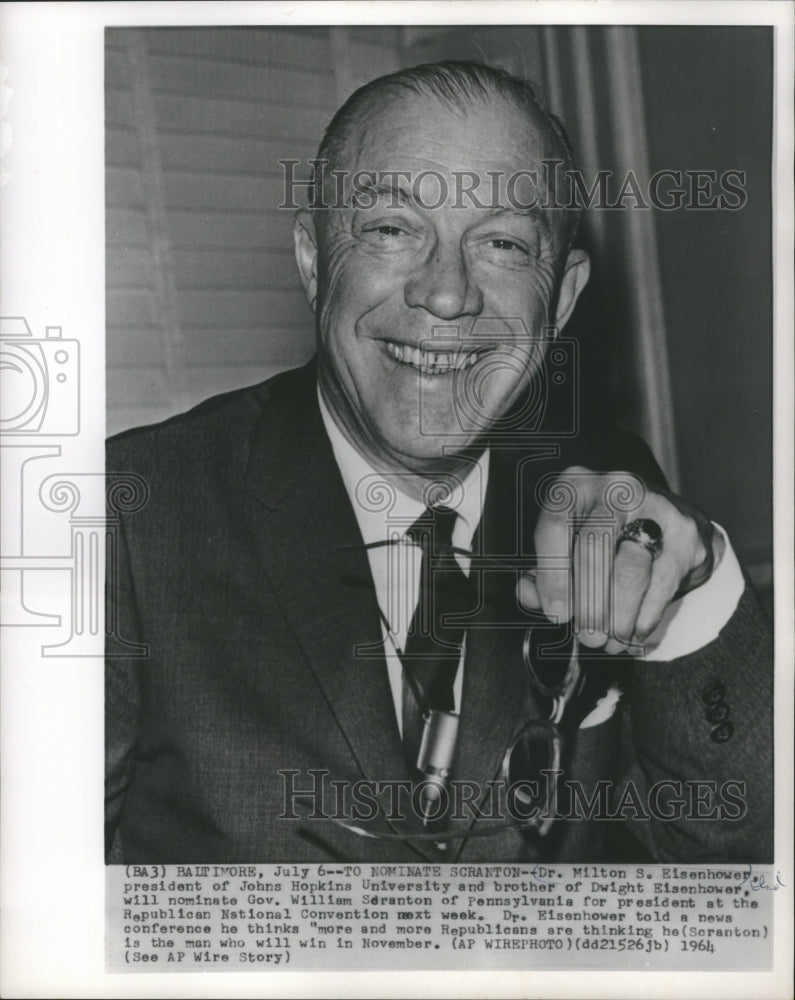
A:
{"points": [[466, 574], [418, 476]]}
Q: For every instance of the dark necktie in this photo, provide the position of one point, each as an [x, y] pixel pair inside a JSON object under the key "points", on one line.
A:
{"points": [[433, 645]]}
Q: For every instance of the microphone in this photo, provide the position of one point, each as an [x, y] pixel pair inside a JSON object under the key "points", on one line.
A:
{"points": [[435, 758]]}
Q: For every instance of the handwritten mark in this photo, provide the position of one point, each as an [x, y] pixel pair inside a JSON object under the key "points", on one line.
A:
{"points": [[758, 882]]}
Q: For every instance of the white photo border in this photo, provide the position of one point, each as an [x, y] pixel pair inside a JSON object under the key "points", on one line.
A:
{"points": [[52, 270]]}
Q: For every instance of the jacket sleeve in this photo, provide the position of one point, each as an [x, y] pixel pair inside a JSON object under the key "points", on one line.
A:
{"points": [[697, 745]]}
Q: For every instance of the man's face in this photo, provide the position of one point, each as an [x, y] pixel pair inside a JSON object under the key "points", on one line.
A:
{"points": [[430, 316]]}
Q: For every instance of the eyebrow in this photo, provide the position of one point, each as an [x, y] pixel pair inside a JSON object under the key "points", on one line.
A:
{"points": [[401, 195], [526, 212]]}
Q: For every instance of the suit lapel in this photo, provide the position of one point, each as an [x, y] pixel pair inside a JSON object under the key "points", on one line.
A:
{"points": [[314, 555]]}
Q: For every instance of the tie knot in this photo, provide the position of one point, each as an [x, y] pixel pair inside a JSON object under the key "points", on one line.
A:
{"points": [[435, 526]]}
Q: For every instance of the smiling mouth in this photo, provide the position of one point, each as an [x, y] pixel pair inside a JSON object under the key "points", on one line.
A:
{"points": [[432, 362]]}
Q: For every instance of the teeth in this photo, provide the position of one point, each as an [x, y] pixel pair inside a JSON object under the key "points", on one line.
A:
{"points": [[431, 362]]}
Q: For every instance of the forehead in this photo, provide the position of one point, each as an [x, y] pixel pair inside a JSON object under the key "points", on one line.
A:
{"points": [[421, 131]]}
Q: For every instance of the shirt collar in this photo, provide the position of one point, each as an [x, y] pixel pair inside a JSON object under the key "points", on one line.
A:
{"points": [[370, 493]]}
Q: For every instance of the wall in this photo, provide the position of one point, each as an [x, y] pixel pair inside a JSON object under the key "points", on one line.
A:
{"points": [[202, 294], [709, 102]]}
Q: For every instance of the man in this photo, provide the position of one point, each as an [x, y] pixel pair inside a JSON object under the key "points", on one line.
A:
{"points": [[358, 583]]}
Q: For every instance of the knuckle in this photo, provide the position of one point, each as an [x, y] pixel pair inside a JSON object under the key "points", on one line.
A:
{"points": [[624, 638], [593, 640], [644, 626], [690, 530]]}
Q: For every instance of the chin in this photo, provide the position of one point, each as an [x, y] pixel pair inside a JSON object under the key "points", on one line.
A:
{"points": [[428, 455]]}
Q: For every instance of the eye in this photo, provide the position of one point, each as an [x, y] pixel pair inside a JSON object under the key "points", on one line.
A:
{"points": [[507, 245], [389, 236], [503, 250]]}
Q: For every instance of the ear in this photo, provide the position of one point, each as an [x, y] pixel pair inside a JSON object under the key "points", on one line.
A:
{"points": [[576, 272], [305, 240]]}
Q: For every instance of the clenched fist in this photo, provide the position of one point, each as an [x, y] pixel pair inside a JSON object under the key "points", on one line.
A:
{"points": [[616, 588]]}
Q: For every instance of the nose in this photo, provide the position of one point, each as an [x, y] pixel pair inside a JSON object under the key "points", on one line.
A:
{"points": [[443, 284]]}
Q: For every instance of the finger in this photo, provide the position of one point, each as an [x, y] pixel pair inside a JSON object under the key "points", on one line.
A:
{"points": [[553, 576], [664, 583], [593, 557], [681, 546], [527, 592], [632, 575]]}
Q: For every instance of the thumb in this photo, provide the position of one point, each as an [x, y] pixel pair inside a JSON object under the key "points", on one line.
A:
{"points": [[527, 592]]}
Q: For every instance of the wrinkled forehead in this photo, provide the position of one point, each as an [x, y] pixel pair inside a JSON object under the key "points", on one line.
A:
{"points": [[492, 127], [487, 151]]}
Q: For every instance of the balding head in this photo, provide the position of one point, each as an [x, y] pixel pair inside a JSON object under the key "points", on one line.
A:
{"points": [[461, 85]]}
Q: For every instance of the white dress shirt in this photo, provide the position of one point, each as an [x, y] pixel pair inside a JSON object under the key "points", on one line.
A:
{"points": [[384, 513]]}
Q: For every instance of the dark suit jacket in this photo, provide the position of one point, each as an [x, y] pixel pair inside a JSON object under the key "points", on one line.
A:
{"points": [[246, 578]]}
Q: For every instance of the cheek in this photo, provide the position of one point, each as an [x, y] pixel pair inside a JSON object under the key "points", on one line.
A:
{"points": [[351, 286], [528, 292]]}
